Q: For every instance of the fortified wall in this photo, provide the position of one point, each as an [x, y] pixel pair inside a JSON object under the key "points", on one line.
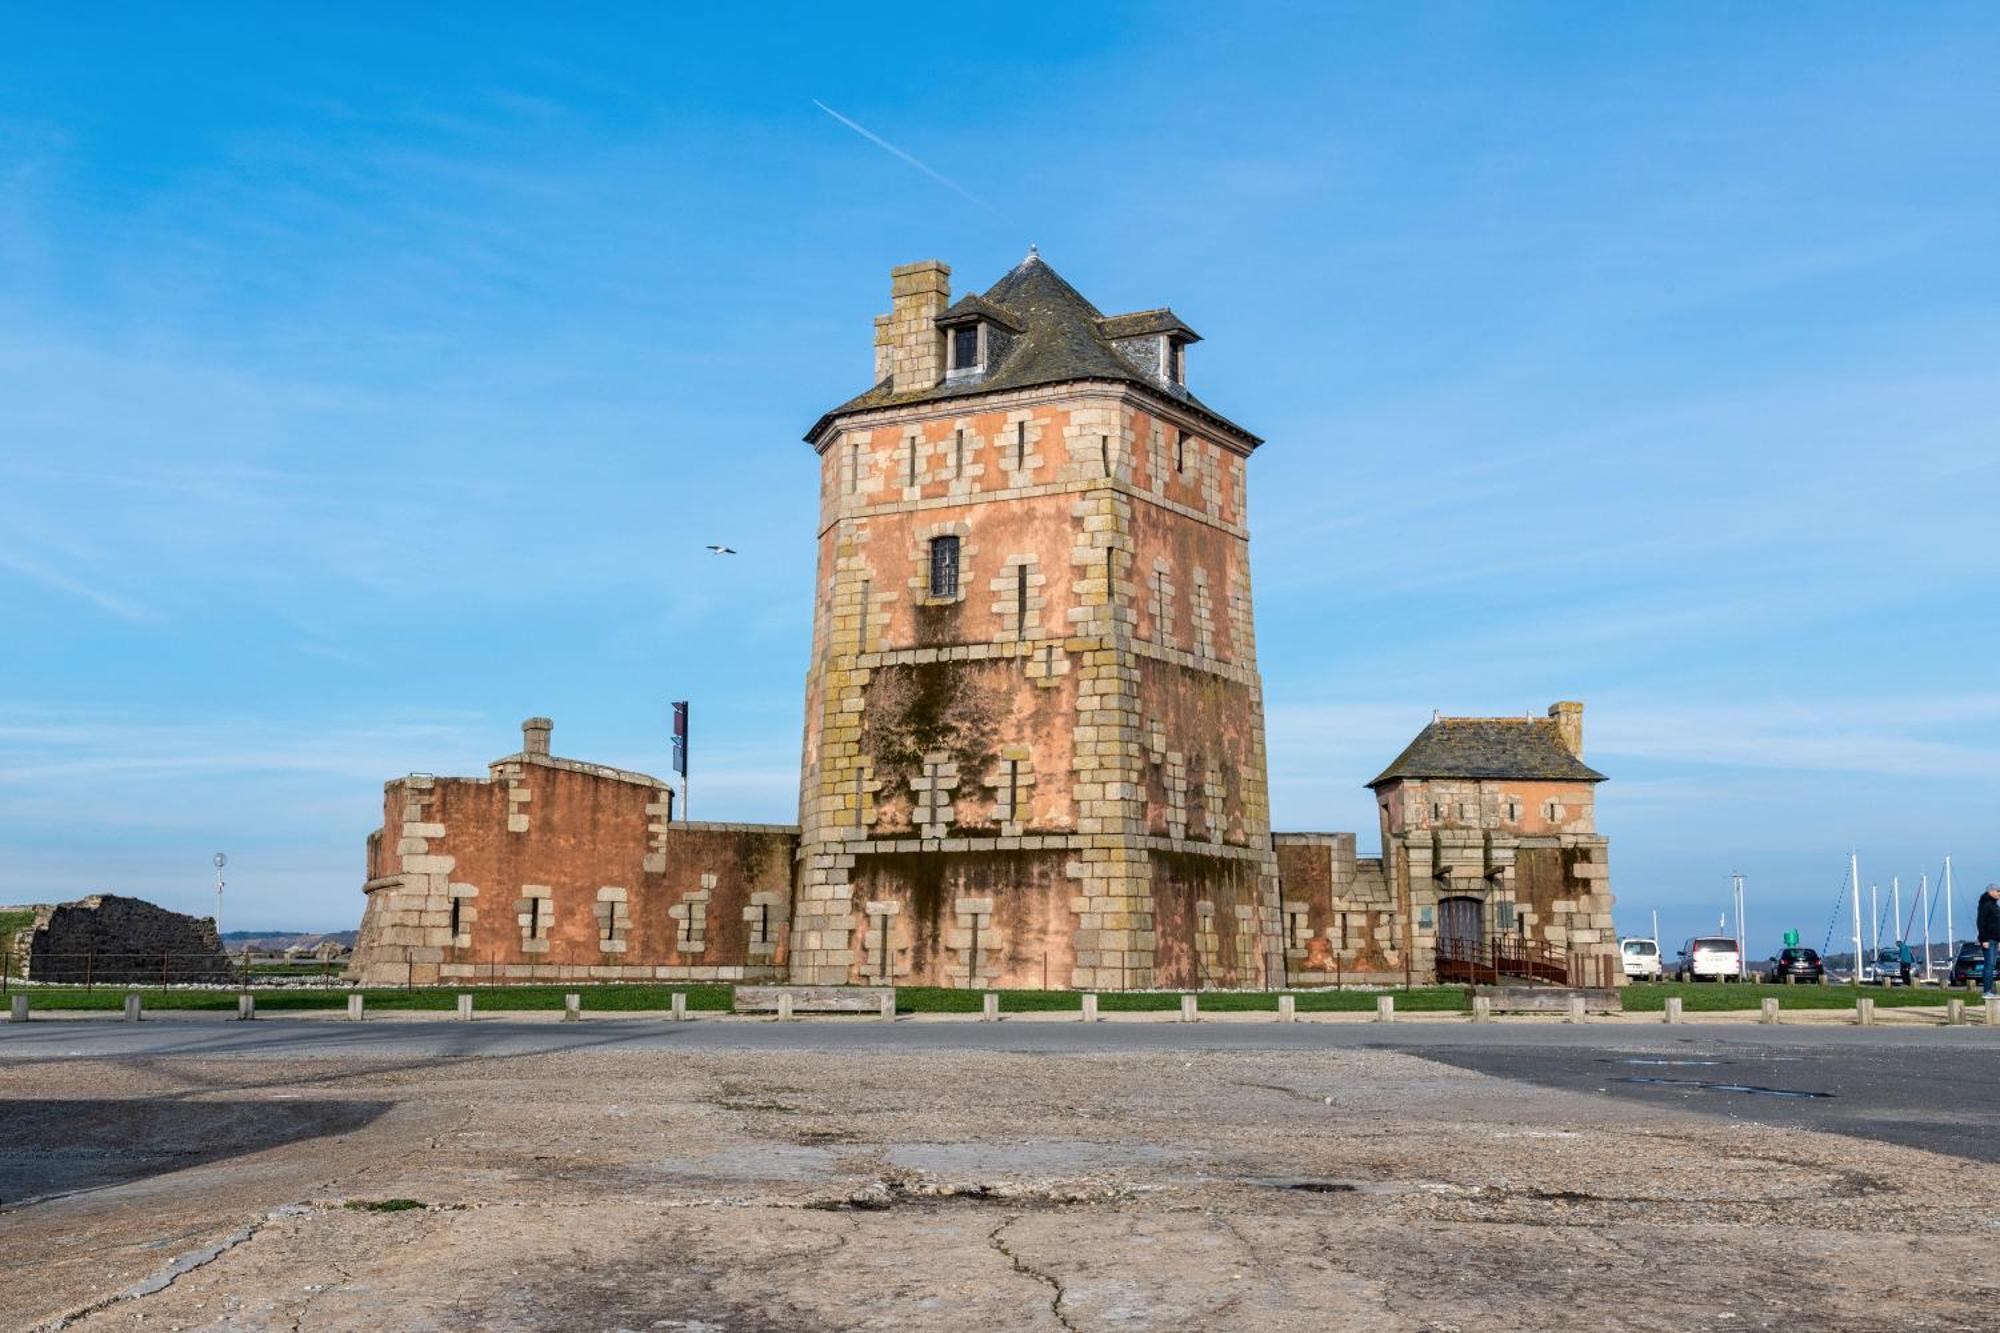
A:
{"points": [[552, 869]]}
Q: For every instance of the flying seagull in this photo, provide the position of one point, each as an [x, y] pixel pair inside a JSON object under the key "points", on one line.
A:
{"points": [[722, 550]]}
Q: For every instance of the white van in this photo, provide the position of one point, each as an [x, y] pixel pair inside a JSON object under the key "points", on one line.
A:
{"points": [[1642, 959], [1709, 958]]}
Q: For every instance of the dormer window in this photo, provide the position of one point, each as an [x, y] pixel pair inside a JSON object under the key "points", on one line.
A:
{"points": [[1177, 361], [968, 348]]}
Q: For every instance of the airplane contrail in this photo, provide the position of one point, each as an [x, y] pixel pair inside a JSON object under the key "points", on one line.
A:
{"points": [[885, 145]]}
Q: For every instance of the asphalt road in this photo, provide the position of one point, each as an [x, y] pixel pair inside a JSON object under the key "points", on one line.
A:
{"points": [[1936, 1089]]}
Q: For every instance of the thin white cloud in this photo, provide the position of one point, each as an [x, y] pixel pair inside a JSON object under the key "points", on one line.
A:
{"points": [[109, 603]]}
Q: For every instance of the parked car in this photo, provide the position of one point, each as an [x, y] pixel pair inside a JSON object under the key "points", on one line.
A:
{"points": [[1642, 958], [1798, 965], [1969, 968], [1709, 958], [1891, 967]]}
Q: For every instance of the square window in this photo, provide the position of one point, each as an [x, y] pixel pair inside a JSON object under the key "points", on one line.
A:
{"points": [[944, 566]]}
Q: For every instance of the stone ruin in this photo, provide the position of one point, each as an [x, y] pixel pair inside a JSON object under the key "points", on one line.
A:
{"points": [[115, 940]]}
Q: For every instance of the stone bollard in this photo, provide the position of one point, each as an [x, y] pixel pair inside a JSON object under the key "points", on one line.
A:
{"points": [[1575, 1011], [131, 1008], [1993, 1011], [1770, 1009], [989, 1008], [354, 1008], [679, 1011], [888, 1007], [1954, 1012], [1090, 1008], [572, 1007], [1482, 1009], [1385, 1009], [18, 1012], [1190, 1009], [784, 1006], [246, 1008], [1288, 1009], [465, 1006], [1864, 1012], [1672, 1011]]}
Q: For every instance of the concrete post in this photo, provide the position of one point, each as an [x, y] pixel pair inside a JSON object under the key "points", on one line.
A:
{"points": [[18, 1013], [680, 1006], [1954, 1012], [1672, 1013], [572, 1007], [1864, 1012], [889, 1006], [1993, 1011], [246, 1007], [1090, 1008], [1770, 1013], [1385, 1009], [1190, 1009], [1482, 1009], [1576, 1010], [784, 1006], [354, 1008], [465, 1006], [1288, 1009], [989, 1008], [131, 1008]]}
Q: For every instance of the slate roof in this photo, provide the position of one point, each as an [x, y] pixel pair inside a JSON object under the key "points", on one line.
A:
{"points": [[1529, 748], [1062, 338]]}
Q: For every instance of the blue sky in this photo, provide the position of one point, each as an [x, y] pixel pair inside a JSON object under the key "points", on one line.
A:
{"points": [[370, 381]]}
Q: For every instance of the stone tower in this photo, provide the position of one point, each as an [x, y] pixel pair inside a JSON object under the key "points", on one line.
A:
{"points": [[1034, 738]]}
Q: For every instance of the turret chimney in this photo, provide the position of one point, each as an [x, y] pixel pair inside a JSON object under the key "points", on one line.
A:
{"points": [[909, 348], [535, 735], [1569, 724]]}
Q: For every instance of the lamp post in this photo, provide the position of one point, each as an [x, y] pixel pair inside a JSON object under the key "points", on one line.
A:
{"points": [[220, 861]]}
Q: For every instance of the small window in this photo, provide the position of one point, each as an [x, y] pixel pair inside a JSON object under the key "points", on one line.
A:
{"points": [[965, 347], [457, 916], [944, 566], [1177, 360], [1180, 451], [1437, 810]]}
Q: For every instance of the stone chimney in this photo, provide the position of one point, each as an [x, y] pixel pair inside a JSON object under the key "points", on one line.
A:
{"points": [[1569, 725], [535, 735], [909, 348]]}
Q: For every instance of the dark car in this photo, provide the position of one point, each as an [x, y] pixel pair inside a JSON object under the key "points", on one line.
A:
{"points": [[1796, 965], [1969, 968]]}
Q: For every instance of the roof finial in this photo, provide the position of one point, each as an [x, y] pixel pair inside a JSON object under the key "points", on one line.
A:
{"points": [[1034, 251]]}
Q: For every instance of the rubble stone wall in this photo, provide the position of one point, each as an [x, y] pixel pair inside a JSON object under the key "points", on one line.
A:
{"points": [[113, 939]]}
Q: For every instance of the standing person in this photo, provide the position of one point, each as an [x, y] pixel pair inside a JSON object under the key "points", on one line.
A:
{"points": [[1989, 931]]}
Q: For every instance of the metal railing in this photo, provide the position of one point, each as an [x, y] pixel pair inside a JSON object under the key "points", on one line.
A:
{"points": [[1485, 962], [127, 968]]}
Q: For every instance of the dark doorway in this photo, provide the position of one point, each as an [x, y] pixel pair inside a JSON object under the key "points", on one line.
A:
{"points": [[1461, 926]]}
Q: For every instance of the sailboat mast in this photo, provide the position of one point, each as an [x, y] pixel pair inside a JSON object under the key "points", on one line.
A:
{"points": [[1854, 888], [1950, 932], [1924, 898], [1874, 922]]}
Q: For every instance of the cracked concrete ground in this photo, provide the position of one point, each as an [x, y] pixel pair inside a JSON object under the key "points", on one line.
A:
{"points": [[758, 1191]]}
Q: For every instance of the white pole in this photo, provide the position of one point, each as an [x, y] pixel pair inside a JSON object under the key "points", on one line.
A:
{"points": [[1924, 898], [1896, 906], [1854, 886], [1742, 936], [1656, 926], [1950, 931], [1874, 922]]}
